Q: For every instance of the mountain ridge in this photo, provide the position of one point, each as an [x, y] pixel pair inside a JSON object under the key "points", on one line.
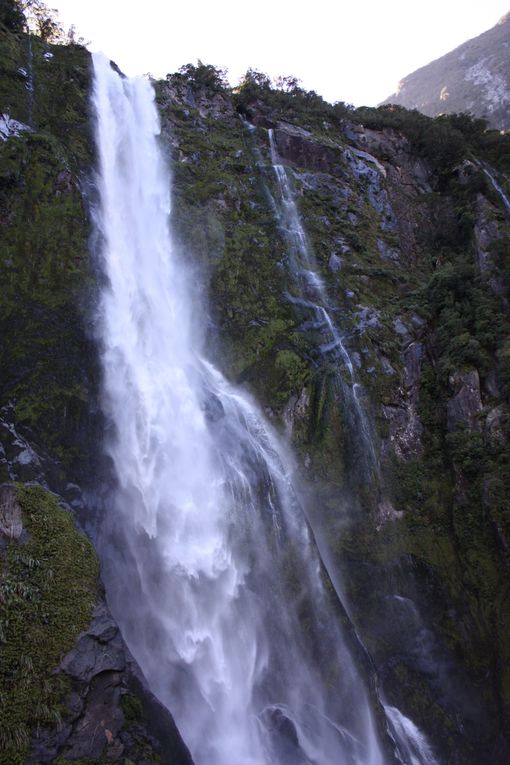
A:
{"points": [[472, 78]]}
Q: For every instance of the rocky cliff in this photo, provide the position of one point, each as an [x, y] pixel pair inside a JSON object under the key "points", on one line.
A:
{"points": [[408, 221], [474, 78]]}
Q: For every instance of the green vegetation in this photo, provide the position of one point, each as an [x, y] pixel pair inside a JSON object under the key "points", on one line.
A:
{"points": [[48, 586], [45, 266], [402, 247]]}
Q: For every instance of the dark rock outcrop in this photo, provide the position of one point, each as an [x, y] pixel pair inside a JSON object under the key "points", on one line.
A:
{"points": [[111, 715], [465, 407]]}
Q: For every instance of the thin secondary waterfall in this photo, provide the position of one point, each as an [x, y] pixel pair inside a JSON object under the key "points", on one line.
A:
{"points": [[210, 566], [490, 173], [308, 292]]}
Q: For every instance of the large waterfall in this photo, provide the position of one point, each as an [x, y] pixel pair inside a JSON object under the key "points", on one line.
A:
{"points": [[210, 564]]}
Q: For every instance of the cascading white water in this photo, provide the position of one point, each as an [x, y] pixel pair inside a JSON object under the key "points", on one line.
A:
{"points": [[415, 749], [310, 294], [489, 172], [412, 747], [210, 566]]}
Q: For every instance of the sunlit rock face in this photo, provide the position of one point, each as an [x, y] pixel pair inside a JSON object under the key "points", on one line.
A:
{"points": [[473, 78]]}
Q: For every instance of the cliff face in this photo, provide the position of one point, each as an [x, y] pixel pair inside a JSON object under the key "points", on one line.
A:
{"points": [[410, 237], [407, 222], [69, 687], [474, 78]]}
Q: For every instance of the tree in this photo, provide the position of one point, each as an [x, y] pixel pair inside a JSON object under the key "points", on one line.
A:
{"points": [[11, 15], [42, 21]]}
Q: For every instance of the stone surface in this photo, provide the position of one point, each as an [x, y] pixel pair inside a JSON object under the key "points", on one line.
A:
{"points": [[11, 523], [465, 407], [102, 671], [473, 79]]}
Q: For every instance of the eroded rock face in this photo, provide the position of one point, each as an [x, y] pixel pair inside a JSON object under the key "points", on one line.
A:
{"points": [[300, 148], [103, 675], [487, 233], [405, 427], [465, 407], [11, 524], [297, 408], [405, 430]]}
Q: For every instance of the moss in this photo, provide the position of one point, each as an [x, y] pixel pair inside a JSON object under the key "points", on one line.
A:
{"points": [[46, 276], [132, 709], [48, 588]]}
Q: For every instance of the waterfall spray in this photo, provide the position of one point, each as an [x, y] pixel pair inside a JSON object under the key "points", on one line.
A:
{"points": [[210, 565]]}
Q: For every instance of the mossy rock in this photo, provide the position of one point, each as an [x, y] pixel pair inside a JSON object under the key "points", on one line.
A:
{"points": [[49, 584]]}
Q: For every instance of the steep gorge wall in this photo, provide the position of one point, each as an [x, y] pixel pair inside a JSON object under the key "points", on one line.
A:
{"points": [[412, 242]]}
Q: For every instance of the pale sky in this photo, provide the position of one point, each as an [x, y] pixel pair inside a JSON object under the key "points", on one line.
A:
{"points": [[350, 51]]}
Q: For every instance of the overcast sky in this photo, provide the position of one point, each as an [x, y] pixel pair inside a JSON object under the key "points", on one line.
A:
{"points": [[351, 51]]}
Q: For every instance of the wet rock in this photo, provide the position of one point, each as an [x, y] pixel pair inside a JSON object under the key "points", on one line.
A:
{"points": [[10, 128], [369, 158], [213, 408], [64, 182], [25, 462], [296, 409], [401, 329], [465, 407], [11, 524], [405, 430], [335, 263], [101, 721], [102, 628], [102, 671], [387, 252], [405, 427], [491, 385], [417, 321], [386, 513], [367, 317], [486, 232], [494, 431], [297, 147], [386, 366], [412, 358], [93, 655], [356, 359]]}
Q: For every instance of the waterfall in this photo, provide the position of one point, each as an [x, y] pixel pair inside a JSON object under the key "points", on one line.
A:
{"points": [[414, 747], [308, 293], [209, 563], [490, 173], [30, 81]]}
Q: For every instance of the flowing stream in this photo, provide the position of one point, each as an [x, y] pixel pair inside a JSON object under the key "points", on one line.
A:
{"points": [[210, 566]]}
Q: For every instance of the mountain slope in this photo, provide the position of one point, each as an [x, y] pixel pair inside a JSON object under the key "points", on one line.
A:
{"points": [[473, 78]]}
